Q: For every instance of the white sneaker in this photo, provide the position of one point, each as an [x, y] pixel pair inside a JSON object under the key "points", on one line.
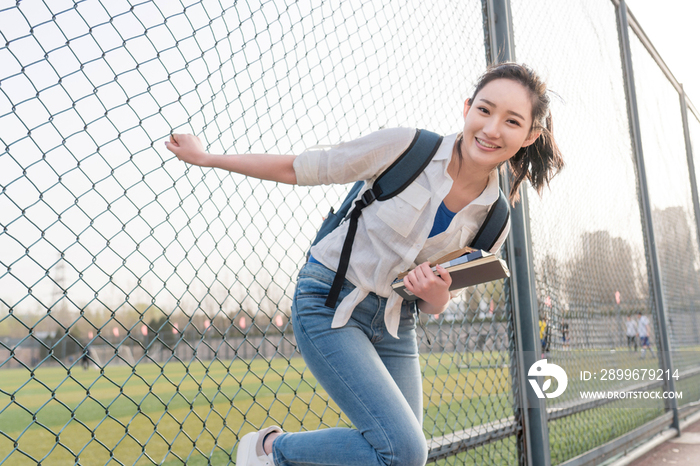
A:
{"points": [[250, 449]]}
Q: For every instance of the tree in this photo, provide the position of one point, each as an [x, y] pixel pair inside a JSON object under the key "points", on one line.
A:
{"points": [[604, 266], [676, 245], [160, 329]]}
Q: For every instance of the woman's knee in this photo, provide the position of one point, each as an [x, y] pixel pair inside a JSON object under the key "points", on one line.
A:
{"points": [[416, 455], [408, 449]]}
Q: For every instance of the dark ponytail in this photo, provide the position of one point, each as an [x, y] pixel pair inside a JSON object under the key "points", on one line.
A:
{"points": [[541, 160]]}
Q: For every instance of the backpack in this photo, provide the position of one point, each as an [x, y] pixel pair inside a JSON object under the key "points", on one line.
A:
{"points": [[391, 182]]}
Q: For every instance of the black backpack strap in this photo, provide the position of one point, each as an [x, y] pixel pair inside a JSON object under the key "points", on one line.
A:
{"points": [[391, 182], [337, 285], [494, 224], [333, 218], [406, 168]]}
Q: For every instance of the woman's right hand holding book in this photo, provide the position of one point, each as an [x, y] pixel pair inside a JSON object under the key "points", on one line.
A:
{"points": [[433, 290]]}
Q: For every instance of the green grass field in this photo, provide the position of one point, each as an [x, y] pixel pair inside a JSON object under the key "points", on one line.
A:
{"points": [[178, 414]]}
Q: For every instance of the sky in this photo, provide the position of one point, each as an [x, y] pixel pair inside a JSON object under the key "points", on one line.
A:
{"points": [[672, 26], [98, 210], [97, 190]]}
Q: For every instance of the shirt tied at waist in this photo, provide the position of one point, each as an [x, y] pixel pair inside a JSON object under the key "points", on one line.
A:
{"points": [[392, 312]]}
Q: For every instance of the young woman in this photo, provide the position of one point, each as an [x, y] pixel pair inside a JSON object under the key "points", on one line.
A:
{"points": [[364, 352]]}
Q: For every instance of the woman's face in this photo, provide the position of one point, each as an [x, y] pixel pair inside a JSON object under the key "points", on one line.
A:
{"points": [[497, 124]]}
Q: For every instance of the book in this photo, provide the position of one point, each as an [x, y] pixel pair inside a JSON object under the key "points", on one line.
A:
{"points": [[467, 267]]}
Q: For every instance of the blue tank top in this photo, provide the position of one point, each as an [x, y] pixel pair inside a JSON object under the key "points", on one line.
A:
{"points": [[443, 217]]}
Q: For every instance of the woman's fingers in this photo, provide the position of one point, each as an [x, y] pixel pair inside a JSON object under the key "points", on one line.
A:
{"points": [[173, 145], [423, 283], [186, 147], [444, 274], [424, 277], [421, 278], [184, 140], [420, 272]]}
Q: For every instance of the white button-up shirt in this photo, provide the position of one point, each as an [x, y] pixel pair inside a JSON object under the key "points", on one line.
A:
{"points": [[392, 235]]}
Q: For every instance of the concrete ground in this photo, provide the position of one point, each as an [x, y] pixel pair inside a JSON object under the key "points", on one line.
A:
{"points": [[680, 451]]}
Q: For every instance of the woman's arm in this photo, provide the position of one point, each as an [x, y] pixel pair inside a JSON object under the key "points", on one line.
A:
{"points": [[433, 290], [188, 148]]}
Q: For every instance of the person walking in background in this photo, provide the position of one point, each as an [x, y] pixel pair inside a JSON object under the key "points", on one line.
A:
{"points": [[643, 331], [364, 351], [544, 335], [631, 333], [85, 359]]}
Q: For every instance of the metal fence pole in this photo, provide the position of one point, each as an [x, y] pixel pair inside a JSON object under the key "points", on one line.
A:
{"points": [[635, 132], [522, 281], [691, 162]]}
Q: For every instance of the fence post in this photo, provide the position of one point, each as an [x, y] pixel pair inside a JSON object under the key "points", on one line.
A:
{"points": [[691, 163], [533, 417], [655, 270]]}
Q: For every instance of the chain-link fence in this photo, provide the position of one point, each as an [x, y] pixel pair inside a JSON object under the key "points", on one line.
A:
{"points": [[144, 305], [588, 236]]}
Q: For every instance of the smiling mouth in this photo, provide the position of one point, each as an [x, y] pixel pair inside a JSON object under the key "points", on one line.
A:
{"points": [[486, 144]]}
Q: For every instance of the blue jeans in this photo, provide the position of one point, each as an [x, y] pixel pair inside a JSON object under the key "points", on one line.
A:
{"points": [[374, 378]]}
